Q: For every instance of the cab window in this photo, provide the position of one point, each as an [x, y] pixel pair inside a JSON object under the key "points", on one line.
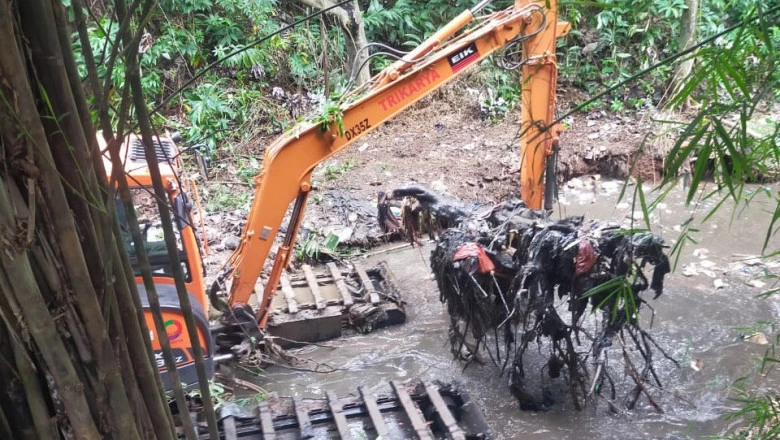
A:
{"points": [[149, 221]]}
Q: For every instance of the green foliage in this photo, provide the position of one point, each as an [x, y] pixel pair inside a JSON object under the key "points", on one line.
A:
{"points": [[252, 400], [311, 246], [308, 248], [223, 198], [613, 39], [228, 104], [732, 79], [218, 393], [210, 114], [616, 295], [334, 170], [762, 412], [502, 90], [331, 114], [406, 23]]}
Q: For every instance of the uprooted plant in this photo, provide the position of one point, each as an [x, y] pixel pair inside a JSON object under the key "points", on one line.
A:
{"points": [[511, 276]]}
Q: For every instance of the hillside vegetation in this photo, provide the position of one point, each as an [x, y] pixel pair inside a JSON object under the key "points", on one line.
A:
{"points": [[265, 88]]}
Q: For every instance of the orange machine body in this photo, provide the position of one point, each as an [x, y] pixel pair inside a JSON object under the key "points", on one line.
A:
{"points": [[139, 181], [288, 162], [537, 108]]}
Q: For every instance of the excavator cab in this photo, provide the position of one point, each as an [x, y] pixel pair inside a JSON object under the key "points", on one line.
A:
{"points": [[148, 214]]}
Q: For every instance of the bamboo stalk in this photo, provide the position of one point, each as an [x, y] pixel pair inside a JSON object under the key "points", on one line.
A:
{"points": [[117, 334], [32, 386], [64, 129], [134, 323], [170, 243], [13, 401], [5, 427], [145, 339], [18, 282], [151, 291], [91, 163], [92, 75], [141, 354], [143, 261], [38, 19]]}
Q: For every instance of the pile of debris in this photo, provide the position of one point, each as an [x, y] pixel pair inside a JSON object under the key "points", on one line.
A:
{"points": [[511, 276]]}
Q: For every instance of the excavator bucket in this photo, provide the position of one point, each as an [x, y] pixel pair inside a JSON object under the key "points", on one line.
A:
{"points": [[314, 305]]}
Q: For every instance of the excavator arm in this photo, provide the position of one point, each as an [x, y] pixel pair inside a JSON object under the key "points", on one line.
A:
{"points": [[288, 163]]}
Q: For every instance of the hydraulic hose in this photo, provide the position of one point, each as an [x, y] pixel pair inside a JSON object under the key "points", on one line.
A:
{"points": [[479, 6]]}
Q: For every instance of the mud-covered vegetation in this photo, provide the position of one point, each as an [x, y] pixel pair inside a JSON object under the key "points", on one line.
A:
{"points": [[520, 289]]}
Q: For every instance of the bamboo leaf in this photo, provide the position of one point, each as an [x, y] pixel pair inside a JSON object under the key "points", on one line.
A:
{"points": [[702, 158], [642, 203]]}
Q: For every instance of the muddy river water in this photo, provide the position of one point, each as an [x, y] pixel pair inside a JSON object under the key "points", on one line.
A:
{"points": [[706, 299]]}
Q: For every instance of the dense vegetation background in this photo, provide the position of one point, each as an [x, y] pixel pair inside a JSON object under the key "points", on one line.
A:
{"points": [[265, 88]]}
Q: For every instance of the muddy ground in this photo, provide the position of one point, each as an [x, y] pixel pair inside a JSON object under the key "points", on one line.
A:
{"points": [[445, 143]]}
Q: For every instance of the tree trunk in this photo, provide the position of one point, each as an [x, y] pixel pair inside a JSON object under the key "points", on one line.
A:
{"points": [[687, 39], [357, 39], [351, 19]]}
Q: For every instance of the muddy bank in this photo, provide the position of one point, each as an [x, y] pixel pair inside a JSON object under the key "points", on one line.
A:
{"points": [[444, 146]]}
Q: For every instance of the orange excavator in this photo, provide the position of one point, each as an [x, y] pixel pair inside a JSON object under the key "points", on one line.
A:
{"points": [[526, 32], [528, 28]]}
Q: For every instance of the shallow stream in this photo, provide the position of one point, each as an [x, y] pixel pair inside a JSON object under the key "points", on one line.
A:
{"points": [[706, 299]]}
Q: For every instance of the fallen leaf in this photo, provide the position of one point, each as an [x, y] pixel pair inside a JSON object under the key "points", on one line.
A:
{"points": [[757, 338]]}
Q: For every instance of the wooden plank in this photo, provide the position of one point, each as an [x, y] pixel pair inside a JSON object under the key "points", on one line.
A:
{"points": [[311, 280], [369, 286], [412, 412], [289, 294], [229, 426], [341, 284], [337, 411], [453, 430], [303, 419], [373, 412], [266, 421]]}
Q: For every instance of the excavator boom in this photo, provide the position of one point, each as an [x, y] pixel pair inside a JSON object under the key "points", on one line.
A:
{"points": [[288, 163]]}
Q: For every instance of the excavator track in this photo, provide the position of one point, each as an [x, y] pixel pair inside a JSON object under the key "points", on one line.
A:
{"points": [[413, 409], [318, 304]]}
